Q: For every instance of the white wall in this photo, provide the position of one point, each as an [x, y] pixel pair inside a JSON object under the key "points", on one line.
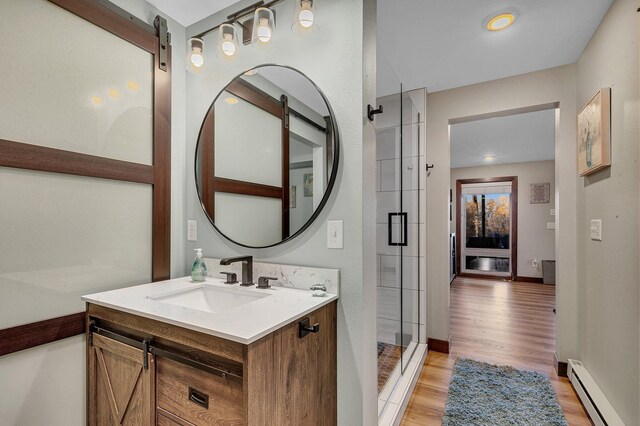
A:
{"points": [[334, 61], [556, 85], [535, 241], [54, 375], [609, 275]]}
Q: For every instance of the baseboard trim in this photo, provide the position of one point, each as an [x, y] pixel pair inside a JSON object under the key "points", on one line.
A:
{"points": [[438, 345], [536, 280], [560, 367]]}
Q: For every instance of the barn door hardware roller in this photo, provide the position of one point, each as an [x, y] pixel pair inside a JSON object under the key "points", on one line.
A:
{"points": [[371, 112]]}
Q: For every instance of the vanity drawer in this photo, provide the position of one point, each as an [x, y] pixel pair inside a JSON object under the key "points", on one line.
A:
{"points": [[168, 419], [196, 396]]}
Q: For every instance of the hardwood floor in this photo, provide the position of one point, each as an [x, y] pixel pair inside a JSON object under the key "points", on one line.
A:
{"points": [[501, 323]]}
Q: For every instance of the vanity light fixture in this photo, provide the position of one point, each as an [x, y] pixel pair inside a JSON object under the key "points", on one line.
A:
{"points": [[227, 42], [263, 26], [259, 30], [500, 21], [305, 14], [195, 55], [304, 18]]}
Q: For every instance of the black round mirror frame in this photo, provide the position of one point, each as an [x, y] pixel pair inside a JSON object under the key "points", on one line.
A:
{"points": [[332, 178]]}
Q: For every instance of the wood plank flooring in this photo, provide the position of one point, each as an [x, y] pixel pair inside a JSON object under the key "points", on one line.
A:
{"points": [[501, 323]]}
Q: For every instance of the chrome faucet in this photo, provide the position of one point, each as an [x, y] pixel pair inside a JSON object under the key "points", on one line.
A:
{"points": [[247, 267]]}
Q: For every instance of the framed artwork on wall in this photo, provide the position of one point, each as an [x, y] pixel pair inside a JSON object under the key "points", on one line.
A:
{"points": [[308, 184], [594, 131], [292, 197], [540, 193]]}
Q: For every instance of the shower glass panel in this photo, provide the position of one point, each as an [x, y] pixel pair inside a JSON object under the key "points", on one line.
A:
{"points": [[398, 229], [411, 165]]}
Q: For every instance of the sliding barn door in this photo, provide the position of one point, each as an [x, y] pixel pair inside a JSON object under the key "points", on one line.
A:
{"points": [[84, 163], [121, 388]]}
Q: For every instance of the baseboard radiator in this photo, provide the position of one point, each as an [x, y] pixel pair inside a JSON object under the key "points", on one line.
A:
{"points": [[595, 402]]}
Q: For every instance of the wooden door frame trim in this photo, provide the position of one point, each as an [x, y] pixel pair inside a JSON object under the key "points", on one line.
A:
{"points": [[31, 157], [514, 223], [233, 186], [39, 158], [27, 336]]}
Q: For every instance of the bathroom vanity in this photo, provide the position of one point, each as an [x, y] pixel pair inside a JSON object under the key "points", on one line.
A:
{"points": [[183, 353]]}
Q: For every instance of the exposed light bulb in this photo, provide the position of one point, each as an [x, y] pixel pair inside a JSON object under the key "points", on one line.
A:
{"points": [[228, 46], [195, 55], [305, 17], [197, 59], [264, 32]]}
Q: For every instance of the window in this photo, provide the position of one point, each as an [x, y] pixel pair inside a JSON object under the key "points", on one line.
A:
{"points": [[485, 223]]}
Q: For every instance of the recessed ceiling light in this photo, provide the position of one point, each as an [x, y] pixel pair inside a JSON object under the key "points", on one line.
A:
{"points": [[231, 101], [489, 157], [501, 21]]}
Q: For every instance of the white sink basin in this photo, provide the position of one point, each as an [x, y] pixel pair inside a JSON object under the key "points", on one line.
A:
{"points": [[209, 298]]}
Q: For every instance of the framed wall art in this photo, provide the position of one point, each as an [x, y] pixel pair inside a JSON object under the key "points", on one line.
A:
{"points": [[594, 133], [540, 193]]}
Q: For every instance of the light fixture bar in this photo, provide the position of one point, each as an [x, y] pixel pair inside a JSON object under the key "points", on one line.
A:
{"points": [[234, 17]]}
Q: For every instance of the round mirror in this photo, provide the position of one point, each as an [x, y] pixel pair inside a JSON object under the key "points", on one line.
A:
{"points": [[267, 156]]}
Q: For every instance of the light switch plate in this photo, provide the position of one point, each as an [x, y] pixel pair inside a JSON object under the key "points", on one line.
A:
{"points": [[596, 229], [552, 212], [335, 234], [192, 230], [551, 225]]}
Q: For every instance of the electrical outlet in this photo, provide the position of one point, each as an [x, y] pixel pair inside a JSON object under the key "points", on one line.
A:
{"points": [[596, 229], [192, 230]]}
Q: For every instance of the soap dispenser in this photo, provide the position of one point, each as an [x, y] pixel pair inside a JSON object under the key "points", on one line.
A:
{"points": [[199, 269]]}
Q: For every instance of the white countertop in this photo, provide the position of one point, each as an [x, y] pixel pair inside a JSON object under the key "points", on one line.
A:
{"points": [[244, 324]]}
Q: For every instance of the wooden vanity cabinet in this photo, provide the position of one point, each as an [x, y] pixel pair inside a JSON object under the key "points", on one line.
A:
{"points": [[281, 379]]}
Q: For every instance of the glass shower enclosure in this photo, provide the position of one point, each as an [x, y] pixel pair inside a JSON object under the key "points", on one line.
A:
{"points": [[399, 248]]}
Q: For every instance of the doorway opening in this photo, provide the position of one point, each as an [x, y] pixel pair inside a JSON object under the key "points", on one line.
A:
{"points": [[503, 224]]}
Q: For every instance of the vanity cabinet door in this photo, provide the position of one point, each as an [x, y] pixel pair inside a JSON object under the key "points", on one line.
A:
{"points": [[121, 390], [292, 379], [309, 371]]}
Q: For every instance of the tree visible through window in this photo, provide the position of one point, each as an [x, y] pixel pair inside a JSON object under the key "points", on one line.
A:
{"points": [[488, 220]]}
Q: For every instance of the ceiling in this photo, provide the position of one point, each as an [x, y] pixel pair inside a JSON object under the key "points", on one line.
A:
{"points": [[188, 12], [441, 44], [513, 139]]}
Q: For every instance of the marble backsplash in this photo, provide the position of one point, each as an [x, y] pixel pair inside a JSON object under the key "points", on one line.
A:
{"points": [[300, 277]]}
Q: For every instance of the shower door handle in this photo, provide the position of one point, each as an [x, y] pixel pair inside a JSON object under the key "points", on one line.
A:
{"points": [[404, 234]]}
